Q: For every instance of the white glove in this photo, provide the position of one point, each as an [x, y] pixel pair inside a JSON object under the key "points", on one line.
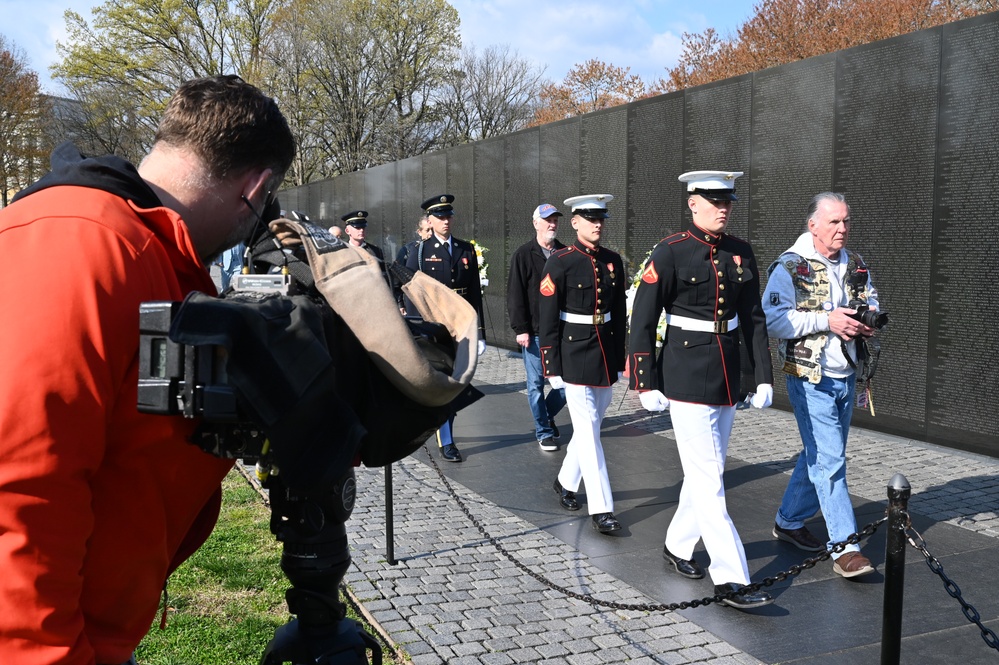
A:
{"points": [[556, 382], [482, 346], [653, 400], [764, 396]]}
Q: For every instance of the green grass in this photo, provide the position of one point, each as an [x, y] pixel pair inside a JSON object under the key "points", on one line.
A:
{"points": [[226, 601]]}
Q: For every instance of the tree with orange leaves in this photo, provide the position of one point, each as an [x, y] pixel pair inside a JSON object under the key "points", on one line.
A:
{"points": [[783, 31], [590, 86]]}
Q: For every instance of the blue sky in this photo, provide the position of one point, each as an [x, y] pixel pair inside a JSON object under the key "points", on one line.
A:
{"points": [[643, 35]]}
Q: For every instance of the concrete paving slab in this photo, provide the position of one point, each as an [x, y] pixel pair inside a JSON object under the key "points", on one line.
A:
{"points": [[453, 597]]}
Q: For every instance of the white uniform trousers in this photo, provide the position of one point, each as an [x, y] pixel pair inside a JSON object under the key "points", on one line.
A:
{"points": [[702, 433], [584, 456]]}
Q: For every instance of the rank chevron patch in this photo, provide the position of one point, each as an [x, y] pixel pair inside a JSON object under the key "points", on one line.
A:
{"points": [[650, 276], [547, 286]]}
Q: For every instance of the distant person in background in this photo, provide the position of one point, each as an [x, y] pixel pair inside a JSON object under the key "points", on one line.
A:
{"points": [[423, 231], [336, 232], [526, 269], [231, 264], [809, 303], [355, 225], [452, 262]]}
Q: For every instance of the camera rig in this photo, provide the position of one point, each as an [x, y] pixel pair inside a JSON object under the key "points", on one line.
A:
{"points": [[279, 379]]}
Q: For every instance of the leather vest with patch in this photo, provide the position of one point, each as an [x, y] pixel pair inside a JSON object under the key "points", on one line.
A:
{"points": [[802, 357]]}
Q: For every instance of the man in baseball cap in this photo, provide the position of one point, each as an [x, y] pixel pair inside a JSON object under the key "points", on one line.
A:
{"points": [[526, 269]]}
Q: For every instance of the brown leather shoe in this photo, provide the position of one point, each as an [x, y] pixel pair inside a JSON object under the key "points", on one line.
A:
{"points": [[852, 564]]}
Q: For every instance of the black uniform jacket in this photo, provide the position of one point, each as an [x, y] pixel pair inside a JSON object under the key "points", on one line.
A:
{"points": [[375, 251], [527, 267], [404, 251], [402, 257], [710, 278], [588, 282], [460, 271]]}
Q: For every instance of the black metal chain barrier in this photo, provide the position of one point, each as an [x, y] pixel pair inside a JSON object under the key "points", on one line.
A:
{"points": [[852, 539], [916, 540]]}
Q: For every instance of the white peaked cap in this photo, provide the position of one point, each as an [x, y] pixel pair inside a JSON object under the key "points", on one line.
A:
{"points": [[717, 185], [589, 203]]}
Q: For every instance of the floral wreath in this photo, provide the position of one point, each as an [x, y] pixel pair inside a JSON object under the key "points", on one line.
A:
{"points": [[480, 254], [630, 299]]}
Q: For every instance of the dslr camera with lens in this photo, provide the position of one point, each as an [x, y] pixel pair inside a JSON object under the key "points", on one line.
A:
{"points": [[869, 317]]}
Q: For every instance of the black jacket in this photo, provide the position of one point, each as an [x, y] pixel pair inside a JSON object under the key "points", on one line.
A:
{"points": [[375, 251], [587, 282], [404, 251], [527, 266], [460, 271], [709, 278]]}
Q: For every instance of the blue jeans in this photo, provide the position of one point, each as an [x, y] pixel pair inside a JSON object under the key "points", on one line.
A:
{"points": [[445, 434], [823, 411], [544, 409]]}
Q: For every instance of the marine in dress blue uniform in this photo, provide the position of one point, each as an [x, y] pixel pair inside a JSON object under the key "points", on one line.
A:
{"points": [[708, 284], [582, 329], [452, 262]]}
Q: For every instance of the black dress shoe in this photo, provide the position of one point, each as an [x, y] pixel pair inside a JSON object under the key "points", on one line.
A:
{"points": [[606, 522], [746, 601], [451, 453], [686, 567], [566, 498]]}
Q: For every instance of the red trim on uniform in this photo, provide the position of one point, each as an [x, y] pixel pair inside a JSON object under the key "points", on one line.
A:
{"points": [[633, 364], [596, 329], [721, 351], [543, 350]]}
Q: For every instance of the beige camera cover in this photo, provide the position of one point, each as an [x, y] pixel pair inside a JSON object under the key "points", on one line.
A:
{"points": [[352, 282]]}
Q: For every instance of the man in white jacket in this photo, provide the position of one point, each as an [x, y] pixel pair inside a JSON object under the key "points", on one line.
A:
{"points": [[810, 303]]}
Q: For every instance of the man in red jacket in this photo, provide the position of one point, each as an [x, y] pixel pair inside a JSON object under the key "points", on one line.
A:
{"points": [[98, 502]]}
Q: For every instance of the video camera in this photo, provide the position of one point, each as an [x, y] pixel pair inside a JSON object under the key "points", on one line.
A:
{"points": [[278, 378]]}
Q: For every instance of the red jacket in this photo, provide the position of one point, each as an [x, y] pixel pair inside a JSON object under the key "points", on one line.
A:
{"points": [[98, 502]]}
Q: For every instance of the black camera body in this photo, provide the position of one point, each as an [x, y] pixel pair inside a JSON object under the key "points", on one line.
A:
{"points": [[869, 317], [191, 381]]}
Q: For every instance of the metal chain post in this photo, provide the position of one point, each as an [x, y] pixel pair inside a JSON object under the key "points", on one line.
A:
{"points": [[898, 519], [954, 591]]}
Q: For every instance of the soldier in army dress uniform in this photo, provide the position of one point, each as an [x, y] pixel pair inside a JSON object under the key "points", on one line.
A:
{"points": [[708, 283], [582, 330], [452, 262], [356, 226]]}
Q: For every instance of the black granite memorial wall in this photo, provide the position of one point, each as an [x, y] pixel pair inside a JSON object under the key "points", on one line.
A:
{"points": [[905, 128]]}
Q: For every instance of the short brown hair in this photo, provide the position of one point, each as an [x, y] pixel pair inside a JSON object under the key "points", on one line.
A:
{"points": [[231, 125]]}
